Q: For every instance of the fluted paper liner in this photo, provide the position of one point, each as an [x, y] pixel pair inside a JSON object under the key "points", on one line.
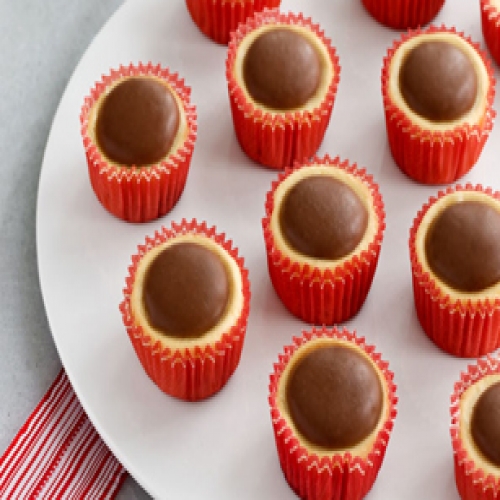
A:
{"points": [[139, 194], [403, 14], [430, 156], [217, 19], [461, 327], [490, 22], [339, 476], [189, 373], [324, 297], [472, 482], [278, 139]]}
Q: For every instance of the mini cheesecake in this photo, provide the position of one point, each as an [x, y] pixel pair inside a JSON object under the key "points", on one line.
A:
{"points": [[217, 19], [186, 303], [438, 90], [332, 406], [139, 130], [323, 231], [490, 23], [475, 431], [455, 255], [282, 77], [403, 14]]}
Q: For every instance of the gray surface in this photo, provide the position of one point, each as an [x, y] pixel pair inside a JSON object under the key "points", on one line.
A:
{"points": [[40, 45]]}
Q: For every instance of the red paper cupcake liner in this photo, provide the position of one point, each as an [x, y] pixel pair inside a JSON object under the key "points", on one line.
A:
{"points": [[339, 476], [490, 22], [277, 140], [433, 157], [217, 19], [190, 373], [472, 482], [462, 328], [332, 295], [403, 14], [139, 194]]}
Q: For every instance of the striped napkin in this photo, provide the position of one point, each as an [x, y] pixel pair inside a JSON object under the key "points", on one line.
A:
{"points": [[57, 454]]}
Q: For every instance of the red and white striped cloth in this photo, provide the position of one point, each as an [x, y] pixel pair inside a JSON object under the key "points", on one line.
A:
{"points": [[57, 454]]}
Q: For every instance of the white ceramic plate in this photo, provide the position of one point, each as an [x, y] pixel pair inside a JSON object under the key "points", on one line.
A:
{"points": [[224, 448]]}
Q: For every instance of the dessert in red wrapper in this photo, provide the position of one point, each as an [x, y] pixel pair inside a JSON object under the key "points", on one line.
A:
{"points": [[455, 261], [323, 231], [438, 89], [281, 110], [331, 452], [219, 18], [186, 308], [490, 21], [138, 156], [475, 430], [403, 14]]}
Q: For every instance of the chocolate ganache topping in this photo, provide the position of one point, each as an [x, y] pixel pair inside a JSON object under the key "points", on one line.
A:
{"points": [[137, 122], [334, 397], [186, 290], [463, 246], [323, 218], [438, 81], [282, 69], [485, 423]]}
